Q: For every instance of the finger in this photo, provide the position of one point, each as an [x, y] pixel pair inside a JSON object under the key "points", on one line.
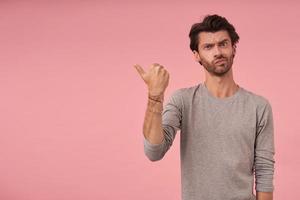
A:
{"points": [[156, 65], [139, 69]]}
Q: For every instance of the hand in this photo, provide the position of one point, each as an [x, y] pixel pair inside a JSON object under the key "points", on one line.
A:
{"points": [[157, 78]]}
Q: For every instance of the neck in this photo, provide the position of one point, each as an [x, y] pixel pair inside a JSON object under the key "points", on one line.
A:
{"points": [[221, 87]]}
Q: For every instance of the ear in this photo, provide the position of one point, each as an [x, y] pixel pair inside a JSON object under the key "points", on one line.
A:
{"points": [[197, 56], [234, 50]]}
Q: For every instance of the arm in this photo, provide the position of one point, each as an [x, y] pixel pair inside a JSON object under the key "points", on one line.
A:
{"points": [[152, 127], [264, 195], [157, 80], [152, 130], [168, 122], [264, 154]]}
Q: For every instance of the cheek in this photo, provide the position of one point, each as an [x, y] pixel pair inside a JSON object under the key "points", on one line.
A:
{"points": [[229, 53], [206, 57]]}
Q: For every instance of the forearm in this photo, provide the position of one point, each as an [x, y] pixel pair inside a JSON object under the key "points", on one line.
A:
{"points": [[152, 127], [264, 195]]}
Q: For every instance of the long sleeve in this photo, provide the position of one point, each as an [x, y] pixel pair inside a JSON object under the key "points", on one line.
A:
{"points": [[264, 150], [171, 122]]}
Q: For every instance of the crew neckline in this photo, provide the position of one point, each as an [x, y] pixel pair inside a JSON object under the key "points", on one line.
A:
{"points": [[221, 100]]}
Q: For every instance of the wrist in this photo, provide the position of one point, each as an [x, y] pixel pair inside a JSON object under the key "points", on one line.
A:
{"points": [[155, 106], [157, 98]]}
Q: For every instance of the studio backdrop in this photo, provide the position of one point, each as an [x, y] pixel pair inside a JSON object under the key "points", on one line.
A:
{"points": [[72, 105]]}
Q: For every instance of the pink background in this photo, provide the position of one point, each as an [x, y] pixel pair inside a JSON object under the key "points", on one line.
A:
{"points": [[72, 105]]}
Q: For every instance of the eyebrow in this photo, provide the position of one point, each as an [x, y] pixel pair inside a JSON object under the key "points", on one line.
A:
{"points": [[225, 40]]}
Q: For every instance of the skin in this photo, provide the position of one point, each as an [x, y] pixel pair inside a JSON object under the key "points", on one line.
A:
{"points": [[157, 80], [212, 48]]}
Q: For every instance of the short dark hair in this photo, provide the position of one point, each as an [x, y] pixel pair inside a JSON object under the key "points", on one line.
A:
{"points": [[211, 23]]}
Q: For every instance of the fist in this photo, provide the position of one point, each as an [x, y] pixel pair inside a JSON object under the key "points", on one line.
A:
{"points": [[157, 78]]}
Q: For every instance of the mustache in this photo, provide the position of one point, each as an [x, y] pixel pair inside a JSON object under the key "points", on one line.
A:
{"points": [[219, 58]]}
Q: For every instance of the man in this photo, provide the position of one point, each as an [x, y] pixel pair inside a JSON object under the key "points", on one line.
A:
{"points": [[226, 132]]}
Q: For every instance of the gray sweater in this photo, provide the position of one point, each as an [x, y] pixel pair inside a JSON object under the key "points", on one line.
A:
{"points": [[223, 143]]}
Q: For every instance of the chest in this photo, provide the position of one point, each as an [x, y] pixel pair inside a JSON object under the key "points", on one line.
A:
{"points": [[225, 128]]}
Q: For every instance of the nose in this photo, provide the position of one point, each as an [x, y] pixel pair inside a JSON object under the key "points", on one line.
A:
{"points": [[217, 52]]}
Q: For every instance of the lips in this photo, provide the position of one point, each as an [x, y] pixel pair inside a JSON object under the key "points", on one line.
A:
{"points": [[220, 61]]}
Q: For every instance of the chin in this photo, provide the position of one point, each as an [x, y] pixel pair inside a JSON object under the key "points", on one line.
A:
{"points": [[223, 72]]}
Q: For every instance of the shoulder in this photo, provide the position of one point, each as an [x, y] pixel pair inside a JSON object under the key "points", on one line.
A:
{"points": [[257, 100], [185, 92], [181, 96]]}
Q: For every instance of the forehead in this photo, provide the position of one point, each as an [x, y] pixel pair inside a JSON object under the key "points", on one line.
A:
{"points": [[213, 37]]}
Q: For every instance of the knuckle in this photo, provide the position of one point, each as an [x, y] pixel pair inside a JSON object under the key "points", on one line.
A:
{"points": [[157, 65]]}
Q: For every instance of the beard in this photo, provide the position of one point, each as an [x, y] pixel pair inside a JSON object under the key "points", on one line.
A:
{"points": [[218, 69]]}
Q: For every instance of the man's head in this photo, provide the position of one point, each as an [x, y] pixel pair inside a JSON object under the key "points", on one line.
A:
{"points": [[213, 42]]}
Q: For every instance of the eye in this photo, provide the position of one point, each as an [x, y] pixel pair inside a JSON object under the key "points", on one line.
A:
{"points": [[223, 44], [207, 46]]}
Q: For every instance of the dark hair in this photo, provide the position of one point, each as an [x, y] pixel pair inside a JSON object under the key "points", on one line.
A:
{"points": [[211, 23]]}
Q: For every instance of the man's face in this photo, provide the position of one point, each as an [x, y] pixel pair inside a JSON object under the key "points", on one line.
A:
{"points": [[215, 52]]}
